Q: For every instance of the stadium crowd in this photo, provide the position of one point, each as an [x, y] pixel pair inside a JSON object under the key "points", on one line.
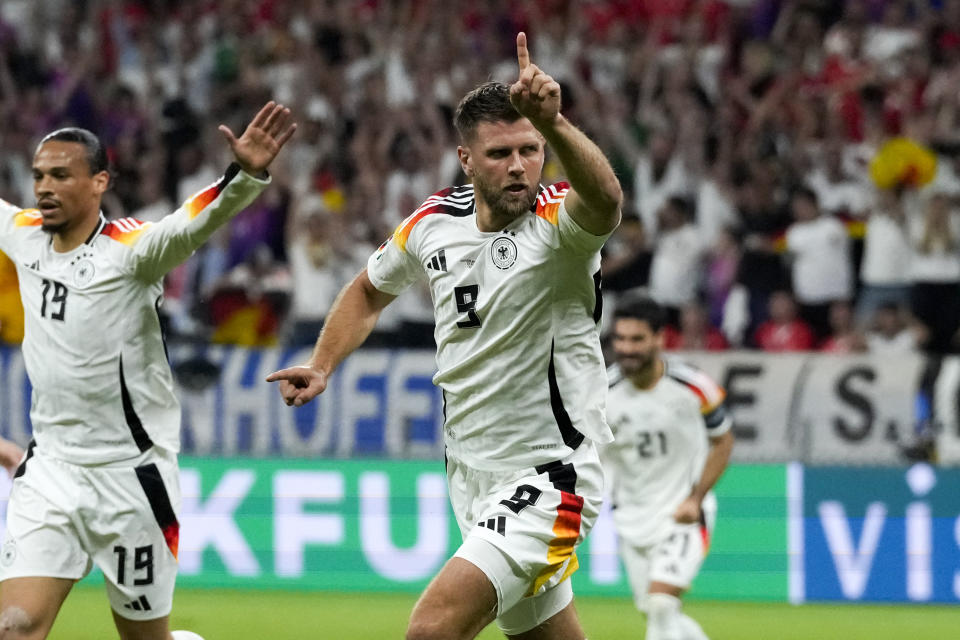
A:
{"points": [[748, 136]]}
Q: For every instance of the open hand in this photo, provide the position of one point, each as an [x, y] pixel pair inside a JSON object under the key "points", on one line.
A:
{"points": [[262, 139], [299, 385], [535, 95]]}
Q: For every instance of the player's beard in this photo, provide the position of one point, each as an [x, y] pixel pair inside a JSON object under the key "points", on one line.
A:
{"points": [[53, 227], [636, 363], [502, 203]]}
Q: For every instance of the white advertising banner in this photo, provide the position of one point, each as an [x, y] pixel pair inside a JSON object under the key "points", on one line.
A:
{"points": [[858, 410], [760, 390], [810, 407]]}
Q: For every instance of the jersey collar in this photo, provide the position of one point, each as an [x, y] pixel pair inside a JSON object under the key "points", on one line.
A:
{"points": [[97, 230]]}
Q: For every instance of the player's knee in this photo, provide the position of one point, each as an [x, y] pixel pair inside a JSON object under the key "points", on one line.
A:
{"points": [[16, 623]]}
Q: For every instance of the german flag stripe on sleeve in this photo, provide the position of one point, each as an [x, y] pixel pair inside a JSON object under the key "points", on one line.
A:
{"points": [[202, 200], [711, 394], [125, 230], [548, 202], [28, 218], [455, 201]]}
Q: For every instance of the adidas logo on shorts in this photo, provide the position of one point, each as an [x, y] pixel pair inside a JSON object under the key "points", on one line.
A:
{"points": [[498, 524], [141, 604]]}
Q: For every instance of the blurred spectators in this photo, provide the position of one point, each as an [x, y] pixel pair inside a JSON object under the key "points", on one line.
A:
{"points": [[729, 106], [844, 337], [677, 265], [784, 331], [935, 271], [820, 253], [694, 332], [885, 270], [323, 258], [893, 333]]}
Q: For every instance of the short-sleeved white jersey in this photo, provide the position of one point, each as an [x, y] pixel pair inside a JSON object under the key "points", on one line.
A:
{"points": [[661, 438], [518, 353], [93, 349]]}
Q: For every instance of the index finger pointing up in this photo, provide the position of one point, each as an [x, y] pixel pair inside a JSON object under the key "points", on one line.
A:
{"points": [[523, 56]]}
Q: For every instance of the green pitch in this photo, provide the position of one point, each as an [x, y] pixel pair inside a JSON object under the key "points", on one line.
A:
{"points": [[266, 615]]}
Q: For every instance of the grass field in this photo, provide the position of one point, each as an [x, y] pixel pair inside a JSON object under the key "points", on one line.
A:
{"points": [[264, 615]]}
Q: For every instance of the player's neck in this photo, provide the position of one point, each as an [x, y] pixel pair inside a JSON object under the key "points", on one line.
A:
{"points": [[73, 236], [489, 220], [649, 376]]}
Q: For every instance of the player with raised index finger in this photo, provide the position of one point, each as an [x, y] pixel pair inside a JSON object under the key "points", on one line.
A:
{"points": [[513, 268], [99, 483]]}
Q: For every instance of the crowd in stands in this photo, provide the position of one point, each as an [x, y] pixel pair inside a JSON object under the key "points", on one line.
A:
{"points": [[743, 132]]}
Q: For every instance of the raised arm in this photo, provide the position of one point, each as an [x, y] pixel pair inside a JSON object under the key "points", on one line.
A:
{"points": [[595, 196], [351, 319], [159, 247], [263, 138]]}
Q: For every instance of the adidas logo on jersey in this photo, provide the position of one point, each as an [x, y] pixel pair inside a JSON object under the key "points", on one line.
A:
{"points": [[438, 262], [141, 604], [34, 266], [498, 524]]}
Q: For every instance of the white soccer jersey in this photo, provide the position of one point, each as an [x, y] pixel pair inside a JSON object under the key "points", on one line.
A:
{"points": [[660, 446], [102, 387], [518, 353]]}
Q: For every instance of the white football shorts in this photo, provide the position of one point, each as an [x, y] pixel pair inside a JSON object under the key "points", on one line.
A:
{"points": [[64, 518], [675, 559], [521, 529]]}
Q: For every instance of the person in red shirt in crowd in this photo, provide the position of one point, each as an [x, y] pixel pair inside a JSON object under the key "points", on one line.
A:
{"points": [[695, 332], [844, 336], [784, 331]]}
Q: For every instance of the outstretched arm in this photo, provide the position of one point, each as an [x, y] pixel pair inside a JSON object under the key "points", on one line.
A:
{"points": [[159, 247], [351, 319], [595, 197]]}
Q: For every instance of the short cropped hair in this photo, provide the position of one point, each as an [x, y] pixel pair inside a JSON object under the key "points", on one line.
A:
{"points": [[642, 308], [490, 102], [96, 153]]}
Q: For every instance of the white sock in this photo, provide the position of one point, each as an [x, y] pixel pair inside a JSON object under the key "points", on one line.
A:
{"points": [[663, 617], [185, 635], [691, 630]]}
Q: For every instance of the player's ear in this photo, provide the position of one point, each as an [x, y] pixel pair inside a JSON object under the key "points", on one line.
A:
{"points": [[101, 180], [466, 161]]}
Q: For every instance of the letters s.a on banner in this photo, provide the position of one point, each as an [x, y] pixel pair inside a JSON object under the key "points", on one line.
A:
{"points": [[857, 410]]}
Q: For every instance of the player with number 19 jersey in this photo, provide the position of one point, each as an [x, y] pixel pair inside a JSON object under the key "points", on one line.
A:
{"points": [[530, 289], [102, 387]]}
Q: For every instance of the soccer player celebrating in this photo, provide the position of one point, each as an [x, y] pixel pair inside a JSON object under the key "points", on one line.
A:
{"points": [[513, 269], [672, 441], [99, 482]]}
